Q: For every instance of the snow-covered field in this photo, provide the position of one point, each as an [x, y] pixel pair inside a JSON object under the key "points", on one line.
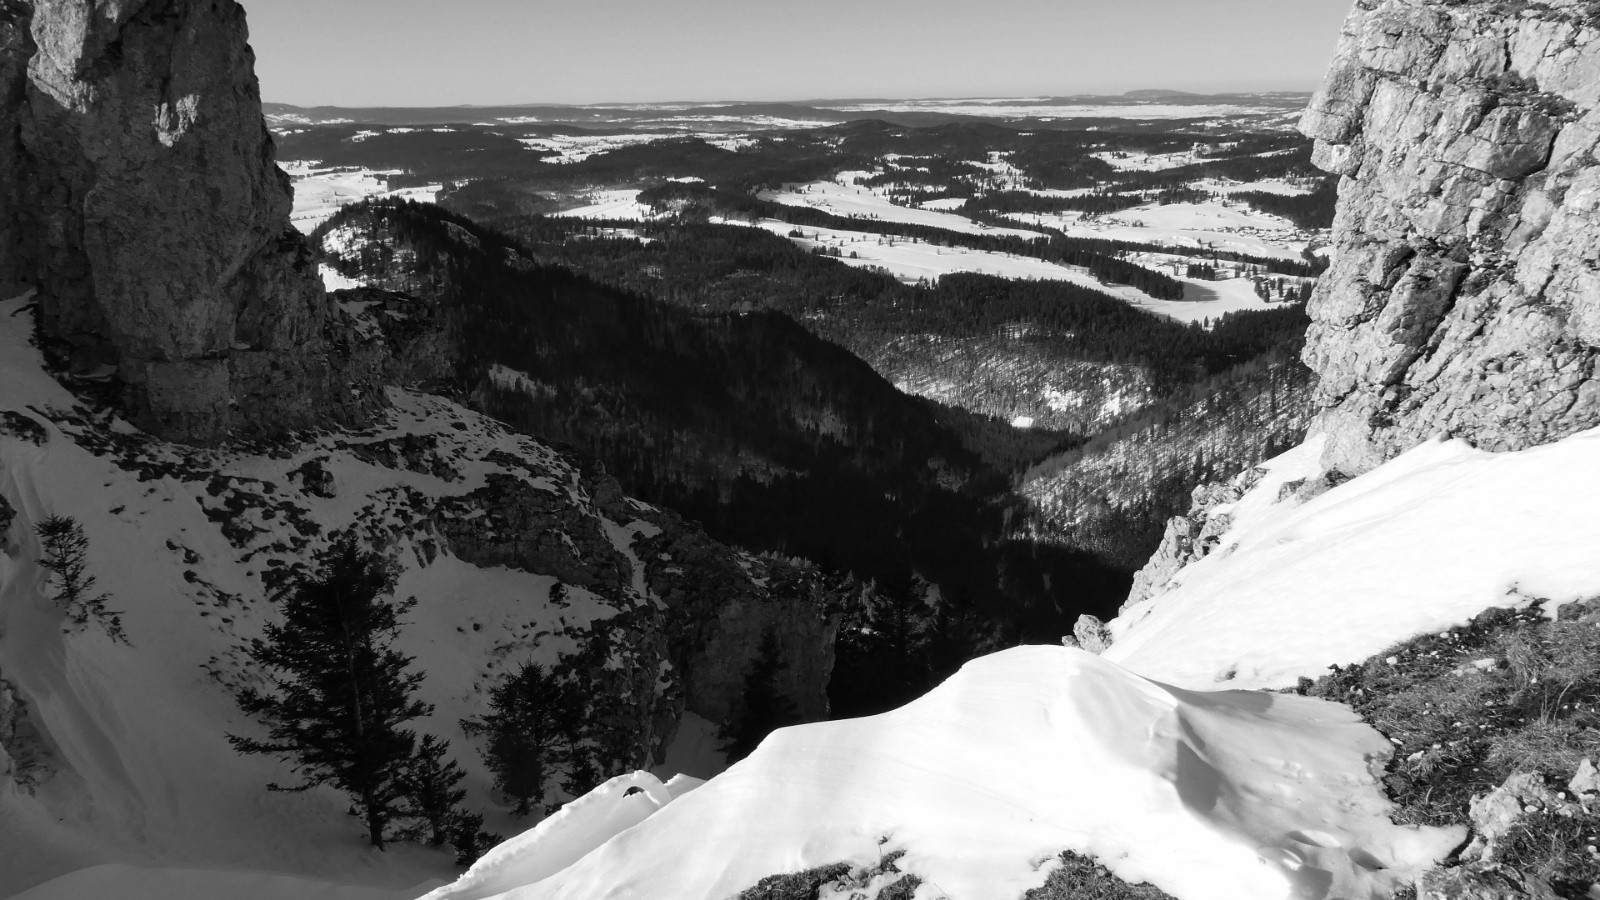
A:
{"points": [[1135, 161], [319, 193], [1419, 545], [844, 197], [912, 261], [578, 147], [1285, 187], [620, 204], [1209, 225]]}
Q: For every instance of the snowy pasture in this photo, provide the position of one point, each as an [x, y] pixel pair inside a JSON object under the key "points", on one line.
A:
{"points": [[320, 193], [1212, 224], [845, 197], [912, 261]]}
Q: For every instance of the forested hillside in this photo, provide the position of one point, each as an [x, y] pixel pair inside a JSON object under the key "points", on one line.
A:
{"points": [[772, 437], [1114, 495]]}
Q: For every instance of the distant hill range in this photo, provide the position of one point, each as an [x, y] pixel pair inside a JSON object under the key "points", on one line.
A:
{"points": [[742, 116]]}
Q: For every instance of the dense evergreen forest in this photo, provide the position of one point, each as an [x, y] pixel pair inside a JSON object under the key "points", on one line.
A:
{"points": [[721, 268], [768, 435], [1217, 399], [494, 170], [730, 374]]}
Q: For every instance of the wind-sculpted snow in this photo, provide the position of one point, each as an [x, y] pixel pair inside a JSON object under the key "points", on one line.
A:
{"points": [[1022, 755], [1421, 544], [567, 836]]}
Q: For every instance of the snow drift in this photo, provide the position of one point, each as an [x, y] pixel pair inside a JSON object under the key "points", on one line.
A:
{"points": [[987, 779], [1421, 544]]}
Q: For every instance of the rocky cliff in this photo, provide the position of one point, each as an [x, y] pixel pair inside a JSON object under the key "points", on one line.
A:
{"points": [[140, 199], [1464, 299], [1464, 295]]}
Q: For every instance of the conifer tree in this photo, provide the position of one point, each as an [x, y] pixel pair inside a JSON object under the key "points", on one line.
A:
{"points": [[763, 709], [66, 558], [531, 726], [431, 786], [340, 693]]}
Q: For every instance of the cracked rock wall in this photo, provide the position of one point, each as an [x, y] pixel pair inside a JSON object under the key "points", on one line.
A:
{"points": [[1464, 299], [139, 196]]}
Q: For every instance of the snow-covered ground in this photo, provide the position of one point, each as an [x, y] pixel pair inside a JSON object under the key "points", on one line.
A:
{"points": [[571, 148], [986, 780], [912, 261], [1138, 757], [620, 204], [319, 193], [1206, 300], [1283, 186], [131, 780], [1135, 161], [1419, 545], [1209, 225], [844, 197]]}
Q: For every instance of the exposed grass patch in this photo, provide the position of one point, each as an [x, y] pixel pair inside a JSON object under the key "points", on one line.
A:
{"points": [[866, 882], [1509, 693], [1558, 849], [796, 885], [1081, 878]]}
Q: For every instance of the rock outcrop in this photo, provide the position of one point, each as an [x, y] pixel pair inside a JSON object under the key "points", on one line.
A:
{"points": [[716, 603], [140, 198], [1464, 297], [1193, 536]]}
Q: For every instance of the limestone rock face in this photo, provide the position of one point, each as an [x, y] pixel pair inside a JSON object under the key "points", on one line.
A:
{"points": [[1190, 538], [1464, 298], [140, 198]]}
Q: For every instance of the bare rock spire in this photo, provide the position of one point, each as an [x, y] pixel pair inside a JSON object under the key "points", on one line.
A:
{"points": [[140, 197]]}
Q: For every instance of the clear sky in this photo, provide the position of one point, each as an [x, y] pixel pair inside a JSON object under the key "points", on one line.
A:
{"points": [[447, 52]]}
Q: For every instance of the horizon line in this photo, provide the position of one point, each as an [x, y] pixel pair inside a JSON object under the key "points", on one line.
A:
{"points": [[816, 102]]}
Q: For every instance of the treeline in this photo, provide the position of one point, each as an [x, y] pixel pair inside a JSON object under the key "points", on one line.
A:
{"points": [[1113, 495], [1308, 211], [731, 268], [1292, 162], [1098, 203], [769, 436], [698, 202], [1102, 256]]}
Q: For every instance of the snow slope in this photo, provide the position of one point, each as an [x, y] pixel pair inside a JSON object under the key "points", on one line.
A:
{"points": [[1136, 757], [984, 781], [1419, 545], [123, 759]]}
